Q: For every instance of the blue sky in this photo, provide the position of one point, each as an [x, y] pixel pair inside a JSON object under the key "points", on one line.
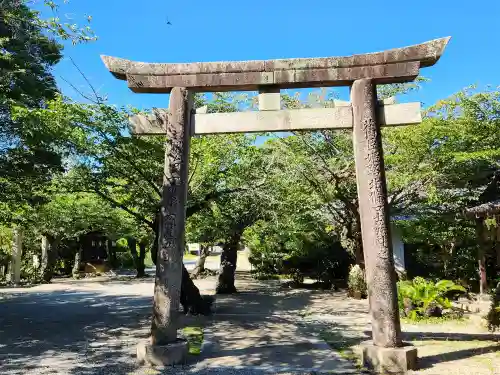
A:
{"points": [[267, 29]]}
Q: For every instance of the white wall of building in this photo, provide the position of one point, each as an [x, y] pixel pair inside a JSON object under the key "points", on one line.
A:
{"points": [[398, 249]]}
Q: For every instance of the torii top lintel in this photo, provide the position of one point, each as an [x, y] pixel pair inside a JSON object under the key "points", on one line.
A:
{"points": [[390, 66]]}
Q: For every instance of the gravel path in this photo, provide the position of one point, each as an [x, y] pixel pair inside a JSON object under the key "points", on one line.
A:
{"points": [[91, 327]]}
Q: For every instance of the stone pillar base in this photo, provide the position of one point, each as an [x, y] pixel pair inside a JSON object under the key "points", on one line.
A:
{"points": [[388, 360], [162, 355]]}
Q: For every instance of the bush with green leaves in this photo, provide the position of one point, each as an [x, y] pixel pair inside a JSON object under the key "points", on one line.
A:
{"points": [[357, 282], [264, 276], [493, 317], [425, 298]]}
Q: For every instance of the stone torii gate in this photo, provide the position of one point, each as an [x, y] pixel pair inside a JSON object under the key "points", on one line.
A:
{"points": [[364, 114]]}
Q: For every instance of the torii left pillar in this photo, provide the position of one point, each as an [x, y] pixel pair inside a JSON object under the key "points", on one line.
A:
{"points": [[165, 348]]}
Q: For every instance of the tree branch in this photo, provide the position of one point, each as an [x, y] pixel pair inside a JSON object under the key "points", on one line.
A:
{"points": [[124, 208], [99, 101]]}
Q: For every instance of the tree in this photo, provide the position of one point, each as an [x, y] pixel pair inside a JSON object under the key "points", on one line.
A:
{"points": [[323, 163], [30, 49], [455, 153], [71, 215], [434, 170], [228, 218], [126, 171]]}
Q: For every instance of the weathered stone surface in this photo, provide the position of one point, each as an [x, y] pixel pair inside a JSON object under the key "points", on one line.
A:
{"points": [[427, 54], [269, 99], [338, 117], [284, 120], [399, 114], [389, 360], [199, 82], [150, 124], [169, 266], [281, 79], [374, 214], [162, 355], [155, 123]]}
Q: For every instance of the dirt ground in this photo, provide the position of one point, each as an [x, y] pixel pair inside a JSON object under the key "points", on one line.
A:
{"points": [[448, 348], [92, 327]]}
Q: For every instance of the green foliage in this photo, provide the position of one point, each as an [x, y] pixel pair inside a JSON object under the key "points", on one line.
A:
{"points": [[424, 296], [122, 245], [5, 239], [29, 153], [299, 251], [493, 317], [66, 167], [74, 214], [445, 164], [194, 337], [125, 260], [356, 281]]}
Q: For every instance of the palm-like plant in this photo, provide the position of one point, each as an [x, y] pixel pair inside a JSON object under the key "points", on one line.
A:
{"points": [[493, 317], [426, 295]]}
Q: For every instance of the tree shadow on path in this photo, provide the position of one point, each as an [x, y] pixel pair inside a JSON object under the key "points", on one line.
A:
{"points": [[71, 332], [262, 327]]}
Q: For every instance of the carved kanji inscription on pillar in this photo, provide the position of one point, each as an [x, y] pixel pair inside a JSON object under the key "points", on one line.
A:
{"points": [[372, 192], [171, 244]]}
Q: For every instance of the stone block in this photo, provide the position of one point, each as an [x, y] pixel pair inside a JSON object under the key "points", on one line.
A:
{"points": [[269, 100], [389, 360], [163, 355]]}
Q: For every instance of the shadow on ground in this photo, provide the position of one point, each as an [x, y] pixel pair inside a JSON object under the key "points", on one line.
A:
{"points": [[96, 331], [454, 339], [262, 327], [71, 332]]}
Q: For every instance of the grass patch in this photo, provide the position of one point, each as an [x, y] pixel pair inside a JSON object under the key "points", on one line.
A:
{"points": [[148, 262], [261, 276], [194, 337], [434, 320]]}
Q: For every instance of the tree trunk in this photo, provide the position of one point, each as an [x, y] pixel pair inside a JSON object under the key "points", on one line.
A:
{"points": [[140, 266], [111, 253], [358, 251], [138, 258], [200, 263], [497, 246], [228, 258], [76, 264], [17, 252], [351, 239], [191, 300], [132, 246], [481, 256], [49, 257], [483, 280], [6, 270]]}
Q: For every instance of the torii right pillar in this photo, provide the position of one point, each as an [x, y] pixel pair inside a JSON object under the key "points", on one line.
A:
{"points": [[386, 353]]}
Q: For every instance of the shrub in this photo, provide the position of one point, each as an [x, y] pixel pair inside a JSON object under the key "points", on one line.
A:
{"points": [[264, 276], [424, 298], [356, 282], [125, 260], [493, 317]]}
